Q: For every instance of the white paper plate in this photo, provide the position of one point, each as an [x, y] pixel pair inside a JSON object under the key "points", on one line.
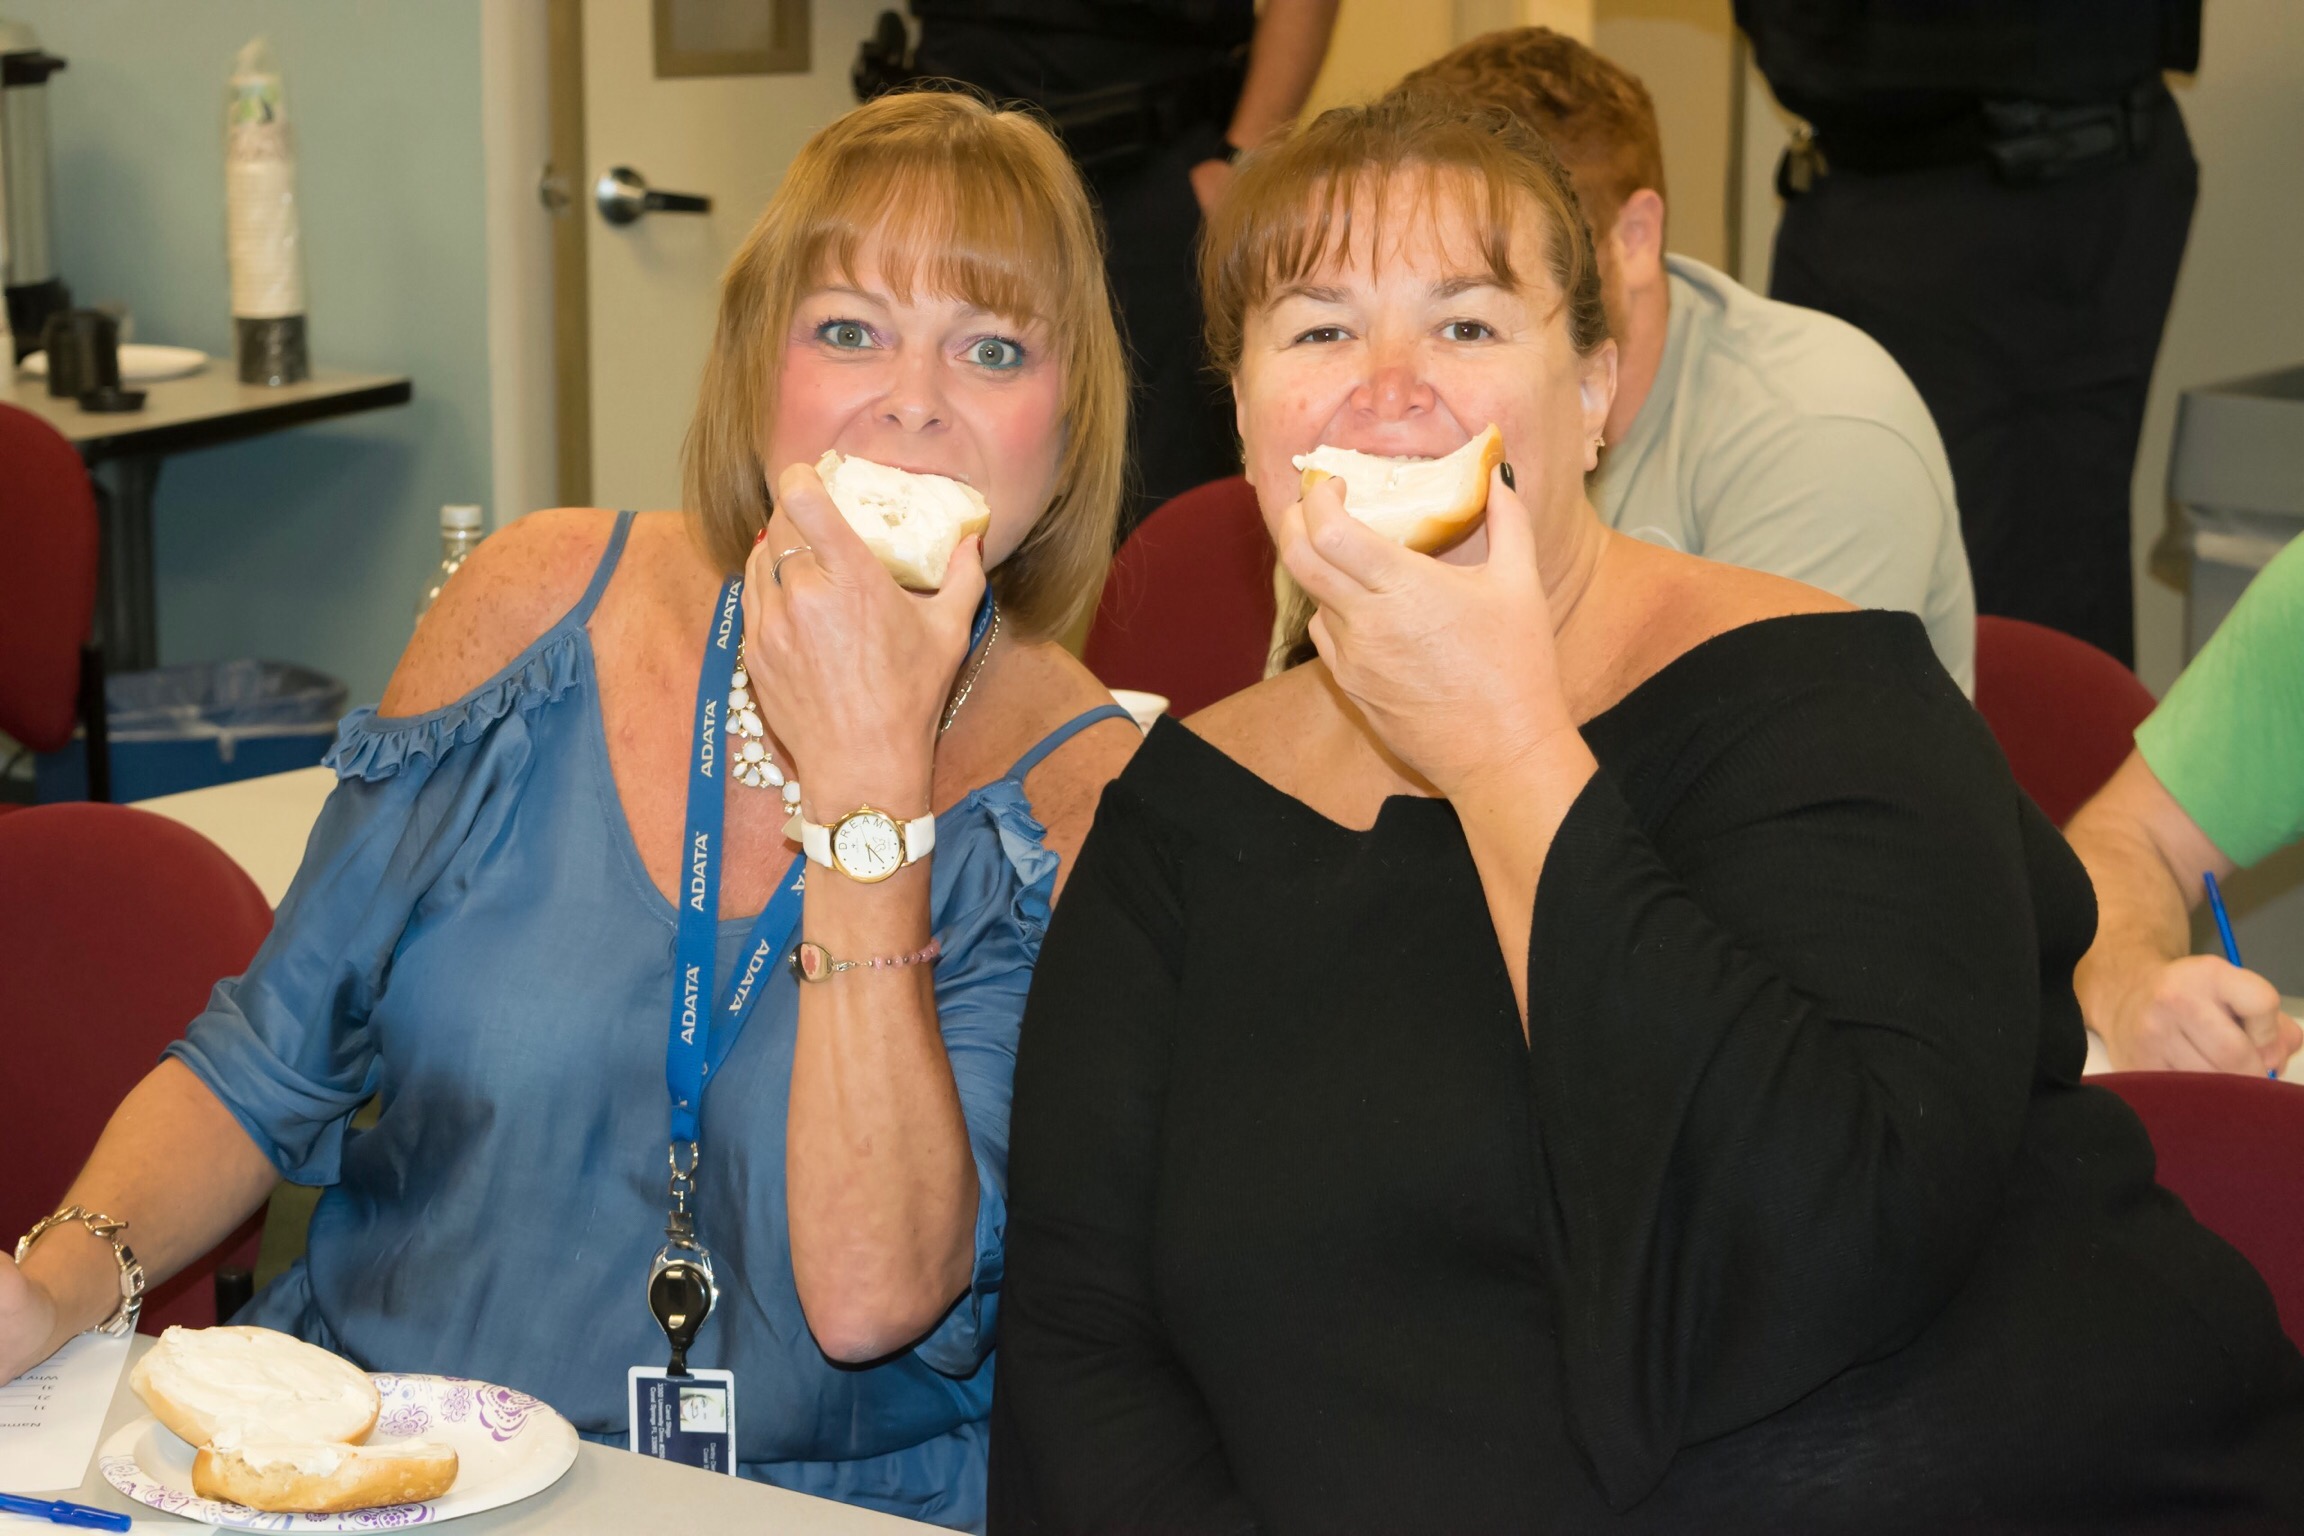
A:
{"points": [[139, 364], [508, 1445]]}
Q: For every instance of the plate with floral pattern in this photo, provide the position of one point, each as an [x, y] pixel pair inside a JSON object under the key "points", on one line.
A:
{"points": [[508, 1446]]}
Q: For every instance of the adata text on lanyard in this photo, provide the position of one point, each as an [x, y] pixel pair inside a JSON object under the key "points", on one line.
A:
{"points": [[681, 1285]]}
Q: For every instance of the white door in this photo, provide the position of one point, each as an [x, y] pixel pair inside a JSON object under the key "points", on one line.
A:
{"points": [[654, 283]]}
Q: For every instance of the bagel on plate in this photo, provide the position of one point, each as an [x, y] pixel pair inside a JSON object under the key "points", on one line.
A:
{"points": [[203, 1382], [279, 1424], [322, 1477]]}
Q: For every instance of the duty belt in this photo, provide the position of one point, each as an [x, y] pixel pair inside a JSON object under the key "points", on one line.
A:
{"points": [[1119, 124], [2024, 142], [1103, 129]]}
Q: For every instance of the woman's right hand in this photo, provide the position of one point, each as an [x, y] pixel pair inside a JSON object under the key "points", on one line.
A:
{"points": [[2201, 1014], [27, 1318], [1452, 665], [850, 670]]}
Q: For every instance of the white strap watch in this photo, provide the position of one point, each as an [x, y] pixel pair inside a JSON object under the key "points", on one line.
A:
{"points": [[867, 844]]}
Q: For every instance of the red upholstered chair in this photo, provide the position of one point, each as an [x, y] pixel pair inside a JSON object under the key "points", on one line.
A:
{"points": [[1187, 611], [2063, 711], [114, 923], [49, 675], [2232, 1149]]}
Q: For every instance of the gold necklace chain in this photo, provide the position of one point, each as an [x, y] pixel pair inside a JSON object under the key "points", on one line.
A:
{"points": [[968, 685]]}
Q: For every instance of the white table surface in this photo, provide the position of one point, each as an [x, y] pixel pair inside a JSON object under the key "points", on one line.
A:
{"points": [[263, 823], [607, 1493], [2099, 1061]]}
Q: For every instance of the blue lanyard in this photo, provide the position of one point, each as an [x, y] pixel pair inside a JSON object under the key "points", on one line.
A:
{"points": [[699, 1037], [700, 1040]]}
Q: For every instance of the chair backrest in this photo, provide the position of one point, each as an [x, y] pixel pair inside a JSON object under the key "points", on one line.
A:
{"points": [[2064, 711], [2232, 1149], [47, 580], [1187, 610], [114, 924]]}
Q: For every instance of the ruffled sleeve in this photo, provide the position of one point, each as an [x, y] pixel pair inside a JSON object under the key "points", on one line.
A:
{"points": [[286, 1046], [991, 919]]}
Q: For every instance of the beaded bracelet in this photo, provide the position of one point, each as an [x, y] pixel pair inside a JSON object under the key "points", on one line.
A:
{"points": [[811, 961]]}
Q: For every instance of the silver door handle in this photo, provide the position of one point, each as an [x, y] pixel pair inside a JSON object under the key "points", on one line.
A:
{"points": [[622, 196]]}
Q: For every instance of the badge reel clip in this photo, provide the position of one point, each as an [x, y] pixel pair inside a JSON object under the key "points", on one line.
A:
{"points": [[681, 1288]]}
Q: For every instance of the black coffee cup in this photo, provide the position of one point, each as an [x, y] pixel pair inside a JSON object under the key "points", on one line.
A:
{"points": [[83, 347]]}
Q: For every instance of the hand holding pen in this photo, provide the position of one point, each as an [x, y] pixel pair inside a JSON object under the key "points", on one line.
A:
{"points": [[2264, 1026]]}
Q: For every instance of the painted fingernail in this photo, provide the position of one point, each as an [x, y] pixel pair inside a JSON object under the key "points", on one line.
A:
{"points": [[761, 537], [1510, 484]]}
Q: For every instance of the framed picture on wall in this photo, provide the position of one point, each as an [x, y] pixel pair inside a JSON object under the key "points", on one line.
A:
{"points": [[731, 37]]}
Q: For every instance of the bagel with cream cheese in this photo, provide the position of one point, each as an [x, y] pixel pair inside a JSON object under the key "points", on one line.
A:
{"points": [[278, 1424], [322, 1477], [207, 1382], [910, 522], [1426, 504]]}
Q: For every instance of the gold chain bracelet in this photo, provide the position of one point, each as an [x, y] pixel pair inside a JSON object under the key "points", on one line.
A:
{"points": [[105, 1229]]}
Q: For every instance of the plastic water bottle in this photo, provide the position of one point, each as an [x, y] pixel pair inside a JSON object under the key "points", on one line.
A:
{"points": [[460, 534]]}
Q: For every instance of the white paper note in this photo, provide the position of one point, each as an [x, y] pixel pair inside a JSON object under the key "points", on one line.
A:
{"points": [[52, 1416]]}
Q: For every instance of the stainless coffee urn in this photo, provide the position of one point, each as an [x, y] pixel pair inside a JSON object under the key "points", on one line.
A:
{"points": [[27, 211]]}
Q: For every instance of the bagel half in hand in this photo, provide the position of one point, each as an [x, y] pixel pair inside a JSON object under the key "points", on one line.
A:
{"points": [[253, 1383], [322, 1477], [1426, 504], [910, 522]]}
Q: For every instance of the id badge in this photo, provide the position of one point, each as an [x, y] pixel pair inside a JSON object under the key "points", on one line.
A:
{"points": [[689, 1419]]}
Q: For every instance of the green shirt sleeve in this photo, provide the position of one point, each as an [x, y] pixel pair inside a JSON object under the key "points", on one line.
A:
{"points": [[2228, 741]]}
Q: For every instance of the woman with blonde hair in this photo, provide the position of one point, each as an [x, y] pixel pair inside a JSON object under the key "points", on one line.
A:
{"points": [[1592, 1048], [552, 899]]}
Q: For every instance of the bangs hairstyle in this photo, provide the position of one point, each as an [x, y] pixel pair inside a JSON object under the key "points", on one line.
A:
{"points": [[1311, 199], [1307, 202], [957, 198]]}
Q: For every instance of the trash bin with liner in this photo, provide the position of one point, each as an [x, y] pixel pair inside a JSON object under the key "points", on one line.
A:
{"points": [[2236, 472], [209, 722]]}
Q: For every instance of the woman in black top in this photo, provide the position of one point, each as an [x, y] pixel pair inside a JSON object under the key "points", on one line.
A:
{"points": [[1594, 1050]]}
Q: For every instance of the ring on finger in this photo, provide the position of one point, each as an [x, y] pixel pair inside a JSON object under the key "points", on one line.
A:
{"points": [[776, 566]]}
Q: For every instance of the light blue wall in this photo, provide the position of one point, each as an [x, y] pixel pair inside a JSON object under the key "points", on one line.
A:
{"points": [[309, 545]]}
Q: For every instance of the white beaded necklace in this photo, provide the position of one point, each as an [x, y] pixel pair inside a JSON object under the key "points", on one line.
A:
{"points": [[755, 765]]}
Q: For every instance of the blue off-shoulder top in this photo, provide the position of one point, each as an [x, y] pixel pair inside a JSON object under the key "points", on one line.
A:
{"points": [[473, 941]]}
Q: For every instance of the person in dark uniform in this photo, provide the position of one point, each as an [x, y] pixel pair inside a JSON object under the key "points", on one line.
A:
{"points": [[1999, 192], [1155, 99]]}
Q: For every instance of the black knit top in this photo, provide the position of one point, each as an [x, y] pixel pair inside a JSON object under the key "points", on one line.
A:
{"points": [[1790, 1214]]}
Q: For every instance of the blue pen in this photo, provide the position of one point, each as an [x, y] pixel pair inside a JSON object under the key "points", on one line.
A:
{"points": [[2224, 929], [61, 1512]]}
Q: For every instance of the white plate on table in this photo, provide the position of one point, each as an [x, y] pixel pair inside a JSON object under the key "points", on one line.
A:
{"points": [[139, 364], [508, 1445]]}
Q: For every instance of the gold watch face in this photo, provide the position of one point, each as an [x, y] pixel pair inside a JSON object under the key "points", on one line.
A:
{"points": [[867, 845]]}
